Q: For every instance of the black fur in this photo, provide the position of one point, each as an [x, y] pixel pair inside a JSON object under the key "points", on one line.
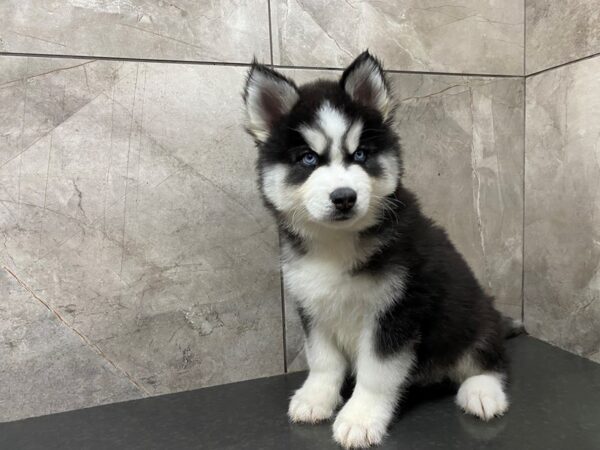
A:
{"points": [[443, 309]]}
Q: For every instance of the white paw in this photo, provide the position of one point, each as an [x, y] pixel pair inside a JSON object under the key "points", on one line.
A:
{"points": [[312, 405], [357, 427], [482, 396]]}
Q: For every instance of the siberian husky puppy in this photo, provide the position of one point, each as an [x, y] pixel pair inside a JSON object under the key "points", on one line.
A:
{"points": [[380, 289]]}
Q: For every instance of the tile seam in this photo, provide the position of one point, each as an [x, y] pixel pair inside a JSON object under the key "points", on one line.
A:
{"points": [[241, 64]]}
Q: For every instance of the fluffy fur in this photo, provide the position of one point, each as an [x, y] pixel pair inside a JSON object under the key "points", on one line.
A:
{"points": [[381, 290]]}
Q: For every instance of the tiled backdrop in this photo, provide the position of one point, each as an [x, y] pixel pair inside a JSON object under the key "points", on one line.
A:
{"points": [[136, 256]]}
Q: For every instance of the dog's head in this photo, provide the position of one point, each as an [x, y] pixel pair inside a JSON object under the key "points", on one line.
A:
{"points": [[328, 156]]}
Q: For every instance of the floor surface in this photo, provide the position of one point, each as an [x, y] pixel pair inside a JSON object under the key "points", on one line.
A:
{"points": [[555, 400]]}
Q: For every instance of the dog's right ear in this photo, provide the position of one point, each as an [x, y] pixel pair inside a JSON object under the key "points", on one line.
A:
{"points": [[268, 96]]}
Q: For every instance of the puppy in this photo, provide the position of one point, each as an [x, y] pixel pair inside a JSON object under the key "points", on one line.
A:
{"points": [[380, 289]]}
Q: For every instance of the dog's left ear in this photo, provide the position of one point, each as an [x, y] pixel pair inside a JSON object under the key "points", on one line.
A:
{"points": [[365, 83], [268, 96]]}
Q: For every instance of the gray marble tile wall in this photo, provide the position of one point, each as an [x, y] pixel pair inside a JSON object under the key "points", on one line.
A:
{"points": [[136, 257], [215, 30], [128, 208], [467, 36], [560, 31], [39, 352], [562, 169], [562, 198]]}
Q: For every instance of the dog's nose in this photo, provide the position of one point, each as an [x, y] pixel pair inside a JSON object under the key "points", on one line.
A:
{"points": [[343, 198]]}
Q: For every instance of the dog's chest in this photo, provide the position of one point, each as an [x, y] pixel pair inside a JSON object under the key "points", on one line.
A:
{"points": [[338, 301]]}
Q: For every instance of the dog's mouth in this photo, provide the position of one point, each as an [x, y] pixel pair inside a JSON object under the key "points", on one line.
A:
{"points": [[342, 216]]}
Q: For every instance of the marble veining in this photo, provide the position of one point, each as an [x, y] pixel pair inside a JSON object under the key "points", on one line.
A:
{"points": [[34, 341]]}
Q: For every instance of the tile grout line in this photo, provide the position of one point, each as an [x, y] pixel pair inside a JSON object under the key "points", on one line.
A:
{"points": [[524, 159], [568, 63], [524, 38], [281, 288], [524, 209], [240, 64], [270, 31], [84, 338], [283, 312], [409, 72]]}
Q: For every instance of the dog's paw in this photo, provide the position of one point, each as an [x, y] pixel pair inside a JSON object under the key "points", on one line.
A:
{"points": [[357, 427], [312, 405], [483, 396]]}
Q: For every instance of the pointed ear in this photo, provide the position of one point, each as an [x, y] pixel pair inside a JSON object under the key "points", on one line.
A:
{"points": [[365, 82], [268, 96]]}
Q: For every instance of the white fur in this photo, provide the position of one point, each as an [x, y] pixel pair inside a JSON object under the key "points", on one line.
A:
{"points": [[307, 208], [320, 395], [285, 198], [388, 181], [335, 125], [483, 396], [315, 138], [363, 421], [341, 302], [324, 180], [353, 136], [314, 194], [332, 127]]}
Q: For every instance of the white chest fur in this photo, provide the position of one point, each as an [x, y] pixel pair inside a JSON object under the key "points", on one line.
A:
{"points": [[338, 302]]}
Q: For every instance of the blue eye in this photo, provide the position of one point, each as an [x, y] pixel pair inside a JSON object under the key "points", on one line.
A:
{"points": [[359, 156], [310, 159]]}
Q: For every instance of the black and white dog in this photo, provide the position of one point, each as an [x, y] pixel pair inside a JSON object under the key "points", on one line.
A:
{"points": [[381, 290]]}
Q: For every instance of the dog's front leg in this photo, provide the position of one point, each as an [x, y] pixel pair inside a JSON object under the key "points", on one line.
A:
{"points": [[320, 394], [364, 419]]}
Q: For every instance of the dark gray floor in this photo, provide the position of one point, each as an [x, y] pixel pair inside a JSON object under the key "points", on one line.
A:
{"points": [[555, 405]]}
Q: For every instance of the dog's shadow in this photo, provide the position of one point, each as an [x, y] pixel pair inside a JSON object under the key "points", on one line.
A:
{"points": [[415, 395], [418, 395]]}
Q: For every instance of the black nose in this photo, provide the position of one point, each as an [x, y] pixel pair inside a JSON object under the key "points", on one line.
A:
{"points": [[343, 198]]}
